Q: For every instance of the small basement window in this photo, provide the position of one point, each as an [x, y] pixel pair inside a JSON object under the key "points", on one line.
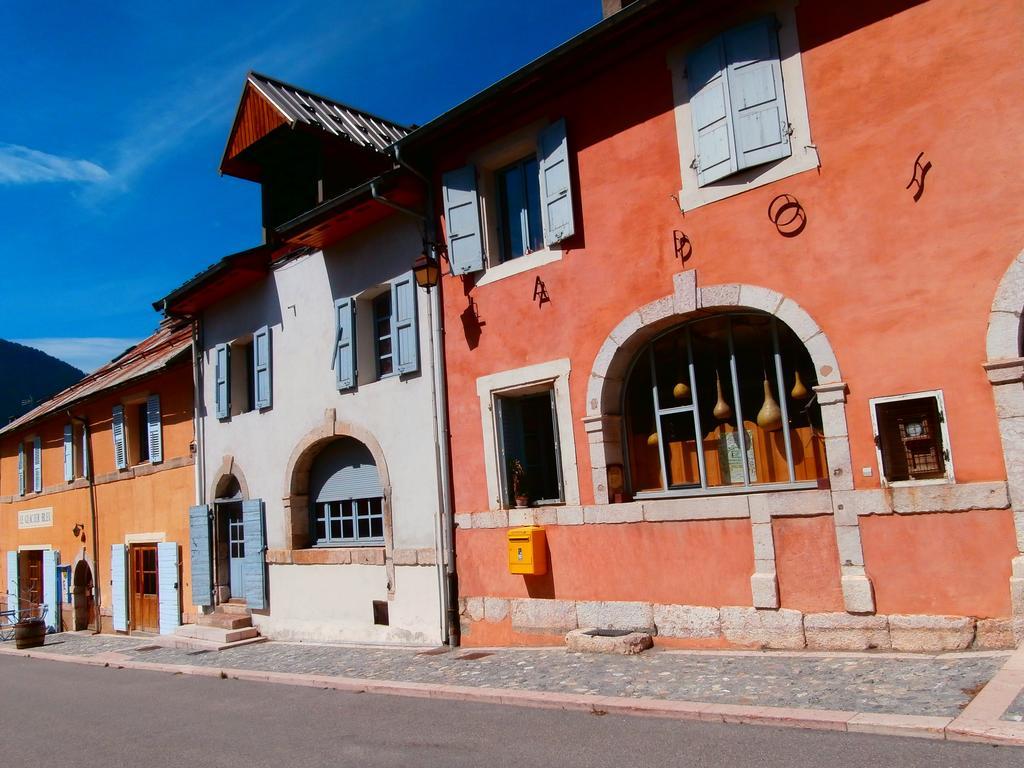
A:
{"points": [[527, 428], [911, 438]]}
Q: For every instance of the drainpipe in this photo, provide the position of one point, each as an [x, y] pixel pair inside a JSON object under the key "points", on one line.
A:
{"points": [[87, 468], [197, 421]]}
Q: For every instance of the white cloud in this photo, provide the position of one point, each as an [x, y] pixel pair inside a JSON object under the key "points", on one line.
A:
{"points": [[22, 165], [86, 353]]}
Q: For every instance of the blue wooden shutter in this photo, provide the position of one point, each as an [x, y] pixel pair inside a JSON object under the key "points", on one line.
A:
{"points": [[37, 464], [21, 469], [345, 343], [254, 566], [69, 452], [51, 589], [154, 431], [555, 184], [222, 380], [201, 555], [404, 336], [12, 583], [756, 94], [710, 112], [509, 415], [462, 221], [119, 586], [117, 429], [169, 601], [262, 368]]}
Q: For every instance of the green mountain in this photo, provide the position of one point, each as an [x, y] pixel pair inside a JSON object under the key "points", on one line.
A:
{"points": [[28, 377]]}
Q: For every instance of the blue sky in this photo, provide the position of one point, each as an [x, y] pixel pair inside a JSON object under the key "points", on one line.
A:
{"points": [[116, 114]]}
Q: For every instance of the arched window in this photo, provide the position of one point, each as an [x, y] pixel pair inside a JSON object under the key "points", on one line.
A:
{"points": [[707, 377], [346, 498]]}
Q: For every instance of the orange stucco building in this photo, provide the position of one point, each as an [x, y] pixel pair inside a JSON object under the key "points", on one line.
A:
{"points": [[95, 486], [742, 203]]}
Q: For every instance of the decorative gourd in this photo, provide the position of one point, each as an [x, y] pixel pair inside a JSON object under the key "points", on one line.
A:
{"points": [[722, 411], [769, 418], [652, 439], [681, 391], [799, 391]]}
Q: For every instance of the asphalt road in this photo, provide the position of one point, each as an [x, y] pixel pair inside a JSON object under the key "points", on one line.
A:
{"points": [[54, 713]]}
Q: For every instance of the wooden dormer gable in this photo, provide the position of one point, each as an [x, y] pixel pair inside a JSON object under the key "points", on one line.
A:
{"points": [[267, 106]]}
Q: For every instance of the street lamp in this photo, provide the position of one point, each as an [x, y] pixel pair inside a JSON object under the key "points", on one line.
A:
{"points": [[427, 270]]}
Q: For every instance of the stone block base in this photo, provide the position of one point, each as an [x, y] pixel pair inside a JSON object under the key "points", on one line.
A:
{"points": [[930, 633], [627, 644], [746, 627], [841, 632]]}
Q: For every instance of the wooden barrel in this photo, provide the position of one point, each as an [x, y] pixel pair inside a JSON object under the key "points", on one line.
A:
{"points": [[29, 633]]}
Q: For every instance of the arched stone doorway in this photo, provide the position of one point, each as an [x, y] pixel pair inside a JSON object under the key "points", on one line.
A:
{"points": [[1005, 369], [82, 596], [228, 491]]}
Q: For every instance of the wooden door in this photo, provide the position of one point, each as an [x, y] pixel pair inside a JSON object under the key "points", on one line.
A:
{"points": [[30, 579], [145, 607]]}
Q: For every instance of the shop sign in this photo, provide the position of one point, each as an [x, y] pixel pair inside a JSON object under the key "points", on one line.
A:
{"points": [[36, 518]]}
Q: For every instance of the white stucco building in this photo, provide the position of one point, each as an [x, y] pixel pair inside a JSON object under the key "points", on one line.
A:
{"points": [[318, 491]]}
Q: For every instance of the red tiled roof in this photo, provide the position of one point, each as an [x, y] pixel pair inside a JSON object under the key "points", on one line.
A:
{"points": [[149, 356]]}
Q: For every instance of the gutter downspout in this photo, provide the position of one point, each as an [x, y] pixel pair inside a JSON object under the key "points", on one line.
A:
{"points": [[447, 576], [87, 468], [197, 422]]}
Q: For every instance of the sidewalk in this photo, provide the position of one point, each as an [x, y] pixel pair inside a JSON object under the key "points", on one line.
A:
{"points": [[964, 696]]}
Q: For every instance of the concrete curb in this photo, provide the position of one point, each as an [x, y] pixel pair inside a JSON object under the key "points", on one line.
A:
{"points": [[978, 723]]}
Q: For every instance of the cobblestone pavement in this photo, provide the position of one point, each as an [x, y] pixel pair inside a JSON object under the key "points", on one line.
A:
{"points": [[940, 686], [1016, 711]]}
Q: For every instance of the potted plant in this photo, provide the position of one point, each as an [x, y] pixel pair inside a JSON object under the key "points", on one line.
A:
{"points": [[518, 476]]}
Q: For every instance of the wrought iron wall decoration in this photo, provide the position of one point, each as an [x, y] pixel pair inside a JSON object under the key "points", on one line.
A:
{"points": [[920, 171], [682, 245], [788, 216], [540, 292]]}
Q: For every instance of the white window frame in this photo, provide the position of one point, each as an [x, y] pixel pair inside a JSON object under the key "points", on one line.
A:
{"points": [[943, 431], [804, 155], [488, 162], [554, 374]]}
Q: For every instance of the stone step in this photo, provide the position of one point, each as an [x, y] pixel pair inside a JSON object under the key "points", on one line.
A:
{"points": [[191, 643], [239, 608], [224, 620], [216, 634]]}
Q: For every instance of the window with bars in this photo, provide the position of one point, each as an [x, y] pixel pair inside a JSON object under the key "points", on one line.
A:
{"points": [[354, 521], [722, 404], [911, 439]]}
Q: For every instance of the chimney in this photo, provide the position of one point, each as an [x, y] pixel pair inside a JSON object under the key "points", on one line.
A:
{"points": [[608, 7]]}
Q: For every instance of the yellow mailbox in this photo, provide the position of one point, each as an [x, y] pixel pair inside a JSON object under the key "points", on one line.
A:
{"points": [[527, 551]]}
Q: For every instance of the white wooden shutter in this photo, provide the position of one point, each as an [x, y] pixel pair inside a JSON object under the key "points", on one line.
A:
{"points": [[117, 430], [37, 465], [262, 367], [69, 453], [462, 221], [345, 343], [756, 93], [51, 591], [21, 469], [222, 380], [168, 594], [12, 583], [710, 112], [404, 335], [85, 451], [154, 430], [201, 555], [555, 184], [119, 586], [254, 564]]}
